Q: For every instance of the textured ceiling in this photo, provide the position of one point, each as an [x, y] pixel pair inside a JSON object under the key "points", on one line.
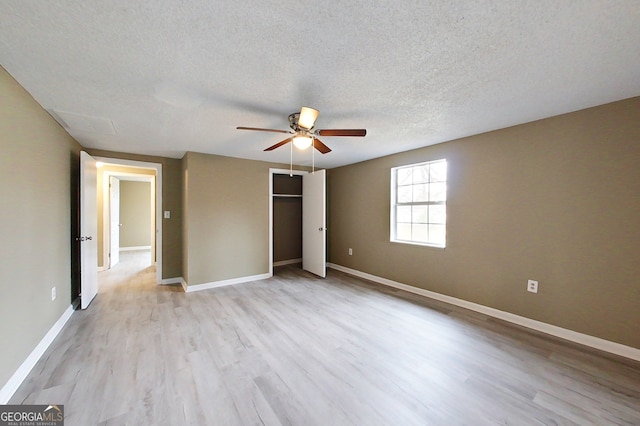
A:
{"points": [[174, 76]]}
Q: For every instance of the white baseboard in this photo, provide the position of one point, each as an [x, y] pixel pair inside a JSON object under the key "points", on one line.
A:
{"points": [[167, 281], [134, 248], [222, 283], [23, 371], [563, 333], [287, 262]]}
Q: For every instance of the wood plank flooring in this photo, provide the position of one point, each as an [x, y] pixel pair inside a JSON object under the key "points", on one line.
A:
{"points": [[299, 350]]}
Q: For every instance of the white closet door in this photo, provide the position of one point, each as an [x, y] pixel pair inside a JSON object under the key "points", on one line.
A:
{"points": [[314, 223]]}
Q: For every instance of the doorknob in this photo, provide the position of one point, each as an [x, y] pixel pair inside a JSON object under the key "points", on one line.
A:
{"points": [[89, 238], [322, 229]]}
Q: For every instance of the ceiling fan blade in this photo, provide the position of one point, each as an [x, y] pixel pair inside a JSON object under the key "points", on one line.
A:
{"points": [[307, 117], [262, 130], [342, 132], [279, 144], [317, 144]]}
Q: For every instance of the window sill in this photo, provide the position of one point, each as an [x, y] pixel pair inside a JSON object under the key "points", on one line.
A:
{"points": [[414, 243]]}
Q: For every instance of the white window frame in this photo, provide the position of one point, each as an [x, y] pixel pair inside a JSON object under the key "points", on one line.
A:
{"points": [[394, 206]]}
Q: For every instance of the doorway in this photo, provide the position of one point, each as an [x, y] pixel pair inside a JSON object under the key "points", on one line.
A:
{"points": [[136, 178], [297, 220], [128, 214], [287, 219]]}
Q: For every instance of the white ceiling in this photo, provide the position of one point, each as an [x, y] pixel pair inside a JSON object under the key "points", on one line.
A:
{"points": [[173, 76]]}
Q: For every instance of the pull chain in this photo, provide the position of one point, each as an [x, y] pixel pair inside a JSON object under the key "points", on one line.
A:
{"points": [[291, 160]]}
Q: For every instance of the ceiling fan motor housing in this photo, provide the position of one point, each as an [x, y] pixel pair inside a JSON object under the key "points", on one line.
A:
{"points": [[293, 123]]}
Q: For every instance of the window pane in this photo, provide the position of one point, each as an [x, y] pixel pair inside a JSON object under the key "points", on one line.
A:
{"points": [[438, 192], [404, 176], [437, 234], [404, 194], [403, 214], [420, 193], [403, 231], [419, 214], [438, 172], [438, 214], [421, 174], [419, 232]]}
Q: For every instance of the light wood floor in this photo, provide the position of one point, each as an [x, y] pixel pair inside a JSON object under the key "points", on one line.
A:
{"points": [[300, 350]]}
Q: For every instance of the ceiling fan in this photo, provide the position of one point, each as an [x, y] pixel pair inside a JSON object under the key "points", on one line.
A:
{"points": [[305, 134]]}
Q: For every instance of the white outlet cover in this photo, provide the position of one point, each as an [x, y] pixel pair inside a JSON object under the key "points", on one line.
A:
{"points": [[532, 286], [53, 294]]}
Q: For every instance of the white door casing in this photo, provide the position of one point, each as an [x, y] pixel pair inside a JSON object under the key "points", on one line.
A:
{"points": [[157, 210], [88, 229], [114, 220], [314, 224]]}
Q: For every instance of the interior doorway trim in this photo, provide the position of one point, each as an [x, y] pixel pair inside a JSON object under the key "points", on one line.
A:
{"points": [[271, 173], [158, 198]]}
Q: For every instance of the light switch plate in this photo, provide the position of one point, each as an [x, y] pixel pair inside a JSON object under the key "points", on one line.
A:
{"points": [[167, 214]]}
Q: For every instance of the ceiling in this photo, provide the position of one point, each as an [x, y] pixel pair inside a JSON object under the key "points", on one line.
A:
{"points": [[166, 77]]}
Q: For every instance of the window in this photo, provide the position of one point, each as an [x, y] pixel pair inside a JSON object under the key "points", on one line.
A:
{"points": [[418, 203]]}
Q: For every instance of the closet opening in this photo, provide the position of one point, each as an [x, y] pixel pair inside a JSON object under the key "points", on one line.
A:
{"points": [[286, 219]]}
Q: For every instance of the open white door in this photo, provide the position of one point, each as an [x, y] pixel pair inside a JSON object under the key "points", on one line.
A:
{"points": [[314, 229], [114, 221], [88, 229]]}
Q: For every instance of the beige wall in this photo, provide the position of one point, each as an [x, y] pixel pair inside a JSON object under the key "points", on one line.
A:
{"points": [[226, 207], [184, 260], [171, 200], [556, 200], [38, 169], [135, 214]]}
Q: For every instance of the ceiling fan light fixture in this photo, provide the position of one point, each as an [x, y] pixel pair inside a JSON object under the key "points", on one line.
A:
{"points": [[307, 117], [302, 142], [303, 134]]}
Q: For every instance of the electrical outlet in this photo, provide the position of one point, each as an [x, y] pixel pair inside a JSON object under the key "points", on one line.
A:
{"points": [[350, 251], [532, 286], [53, 294]]}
